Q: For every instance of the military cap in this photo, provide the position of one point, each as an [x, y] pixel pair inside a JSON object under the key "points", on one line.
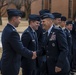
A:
{"points": [[14, 12], [47, 15], [57, 15], [63, 18], [41, 12], [34, 17], [68, 22]]}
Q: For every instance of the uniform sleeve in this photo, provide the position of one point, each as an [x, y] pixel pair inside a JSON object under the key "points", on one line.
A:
{"points": [[17, 45], [63, 48]]}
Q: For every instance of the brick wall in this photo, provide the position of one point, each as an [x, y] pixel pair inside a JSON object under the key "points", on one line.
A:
{"points": [[60, 6], [36, 6], [74, 7]]}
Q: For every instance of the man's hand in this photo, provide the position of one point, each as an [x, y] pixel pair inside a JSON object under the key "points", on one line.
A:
{"points": [[34, 55], [57, 69]]}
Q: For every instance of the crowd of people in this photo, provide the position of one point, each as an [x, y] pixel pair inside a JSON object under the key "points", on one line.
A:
{"points": [[46, 47]]}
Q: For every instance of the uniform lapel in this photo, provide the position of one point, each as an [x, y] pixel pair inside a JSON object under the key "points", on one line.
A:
{"points": [[31, 32], [12, 27], [47, 39], [34, 37]]}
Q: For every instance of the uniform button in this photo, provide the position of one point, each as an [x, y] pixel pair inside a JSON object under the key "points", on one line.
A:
{"points": [[46, 51], [46, 46], [47, 56]]}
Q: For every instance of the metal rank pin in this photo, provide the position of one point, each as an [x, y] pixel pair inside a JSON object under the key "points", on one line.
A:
{"points": [[72, 73], [53, 44]]}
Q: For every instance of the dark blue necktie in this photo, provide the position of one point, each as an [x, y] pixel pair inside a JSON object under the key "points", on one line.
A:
{"points": [[34, 34], [35, 37]]}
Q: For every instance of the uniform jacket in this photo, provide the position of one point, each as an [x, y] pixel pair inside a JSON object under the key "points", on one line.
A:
{"points": [[40, 36], [56, 50], [31, 43], [73, 33], [12, 51], [69, 41], [68, 37]]}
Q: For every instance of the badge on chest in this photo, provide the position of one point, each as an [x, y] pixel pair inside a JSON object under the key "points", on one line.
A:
{"points": [[53, 37], [33, 40]]}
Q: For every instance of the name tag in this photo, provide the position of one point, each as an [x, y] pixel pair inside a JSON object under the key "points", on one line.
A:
{"points": [[33, 40], [53, 37], [53, 44]]}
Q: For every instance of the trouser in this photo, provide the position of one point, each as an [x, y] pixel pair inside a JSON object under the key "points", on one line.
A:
{"points": [[60, 74], [44, 69], [74, 59], [72, 73], [38, 71], [29, 72]]}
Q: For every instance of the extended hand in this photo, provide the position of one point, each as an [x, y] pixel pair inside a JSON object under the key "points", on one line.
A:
{"points": [[57, 69], [34, 55]]}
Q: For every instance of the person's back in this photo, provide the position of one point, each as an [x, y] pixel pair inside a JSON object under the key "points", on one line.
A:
{"points": [[9, 56], [12, 45]]}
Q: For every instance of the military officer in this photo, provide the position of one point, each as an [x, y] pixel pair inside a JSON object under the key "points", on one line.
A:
{"points": [[73, 33], [67, 27], [57, 19], [30, 41], [40, 34], [67, 30], [12, 45], [55, 48], [63, 22]]}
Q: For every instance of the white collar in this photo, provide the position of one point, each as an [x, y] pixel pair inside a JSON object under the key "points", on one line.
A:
{"points": [[11, 25], [32, 29], [57, 25], [50, 30], [68, 30], [63, 28]]}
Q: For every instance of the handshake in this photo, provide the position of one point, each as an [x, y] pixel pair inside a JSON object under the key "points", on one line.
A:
{"points": [[34, 55]]}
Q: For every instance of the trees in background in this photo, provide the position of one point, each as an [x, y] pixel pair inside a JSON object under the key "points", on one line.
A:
{"points": [[3, 3], [26, 4], [18, 4]]}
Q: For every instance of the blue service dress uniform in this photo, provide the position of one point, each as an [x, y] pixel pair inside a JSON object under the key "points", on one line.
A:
{"points": [[56, 50], [12, 51], [69, 41], [73, 33], [29, 66]]}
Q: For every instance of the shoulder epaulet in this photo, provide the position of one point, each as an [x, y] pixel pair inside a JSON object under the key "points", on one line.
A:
{"points": [[65, 31], [27, 30], [44, 32], [73, 22], [13, 29], [56, 27]]}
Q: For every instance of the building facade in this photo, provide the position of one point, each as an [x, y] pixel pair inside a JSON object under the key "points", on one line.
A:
{"points": [[66, 7]]}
